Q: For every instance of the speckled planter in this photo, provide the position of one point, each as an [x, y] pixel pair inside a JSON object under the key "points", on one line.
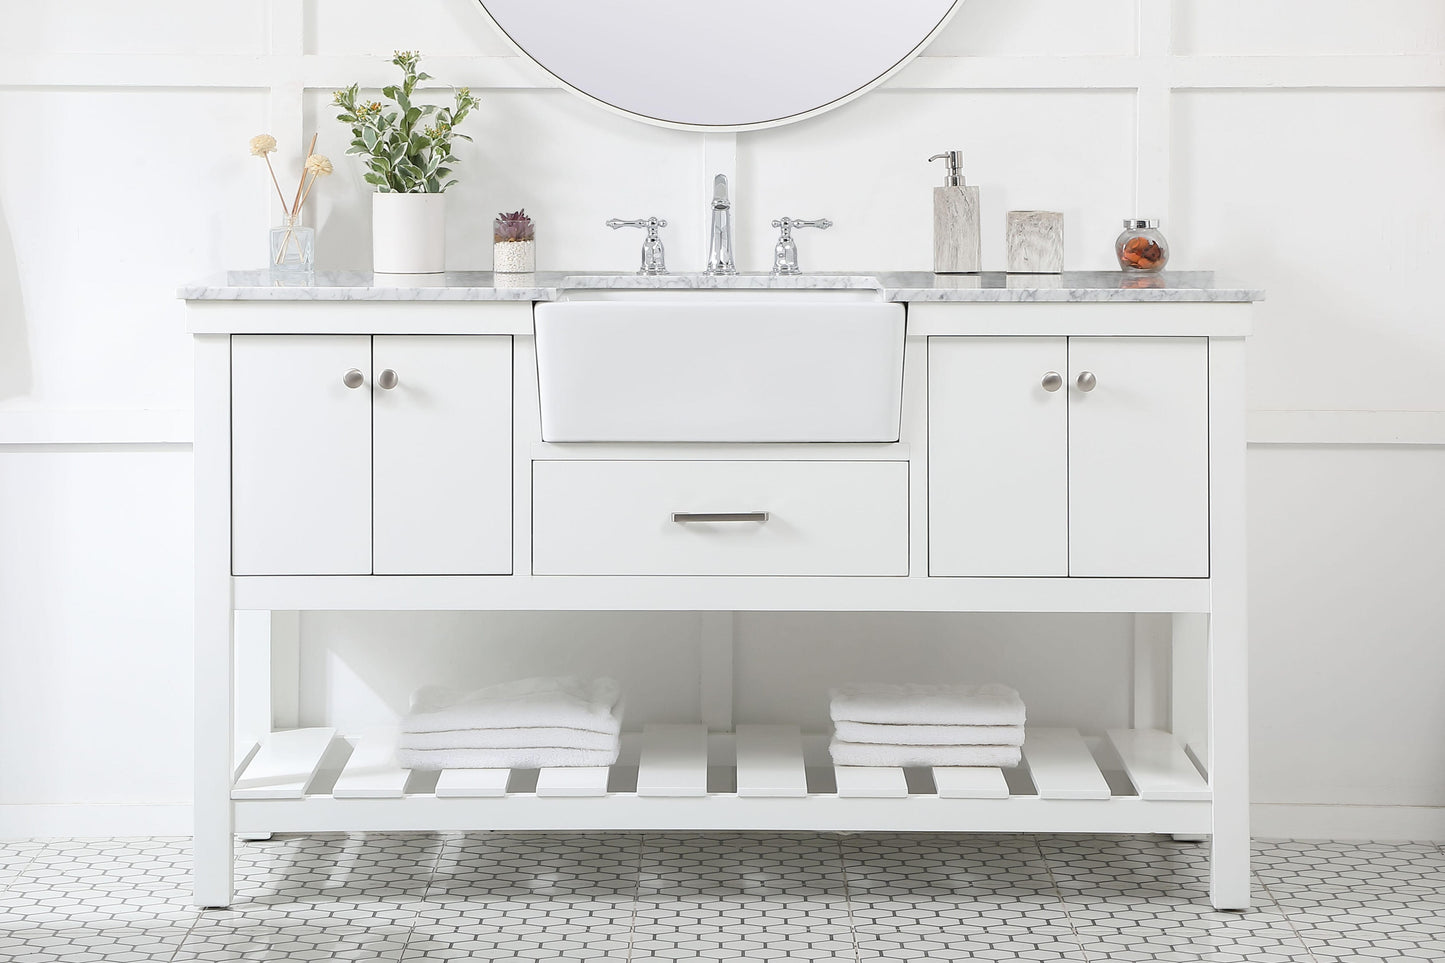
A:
{"points": [[514, 257]]}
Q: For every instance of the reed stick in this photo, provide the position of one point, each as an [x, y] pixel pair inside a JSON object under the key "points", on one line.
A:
{"points": [[296, 204], [307, 194], [267, 158]]}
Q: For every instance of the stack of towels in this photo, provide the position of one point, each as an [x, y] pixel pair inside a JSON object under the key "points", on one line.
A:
{"points": [[926, 725], [526, 724]]}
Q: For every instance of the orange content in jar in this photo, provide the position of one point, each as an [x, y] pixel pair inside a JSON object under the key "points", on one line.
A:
{"points": [[1141, 253]]}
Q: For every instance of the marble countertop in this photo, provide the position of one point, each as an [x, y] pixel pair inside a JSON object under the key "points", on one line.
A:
{"points": [[910, 286]]}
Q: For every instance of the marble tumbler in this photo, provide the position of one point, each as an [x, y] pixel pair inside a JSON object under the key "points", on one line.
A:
{"points": [[1035, 242]]}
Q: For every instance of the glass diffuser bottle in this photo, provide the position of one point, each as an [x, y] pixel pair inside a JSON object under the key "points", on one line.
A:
{"points": [[293, 247]]}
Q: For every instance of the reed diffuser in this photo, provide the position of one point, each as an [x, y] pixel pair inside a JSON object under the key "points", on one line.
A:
{"points": [[293, 246]]}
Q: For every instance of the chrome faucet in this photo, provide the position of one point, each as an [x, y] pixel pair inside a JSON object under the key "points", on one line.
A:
{"points": [[720, 237], [785, 252], [654, 259]]}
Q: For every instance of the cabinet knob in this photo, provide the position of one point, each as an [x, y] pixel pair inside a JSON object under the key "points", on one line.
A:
{"points": [[1087, 381], [353, 378], [387, 379], [1053, 381]]}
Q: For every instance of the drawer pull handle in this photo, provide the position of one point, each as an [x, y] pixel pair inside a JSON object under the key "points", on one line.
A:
{"points": [[387, 379], [353, 378], [1052, 381], [1087, 381], [719, 516]]}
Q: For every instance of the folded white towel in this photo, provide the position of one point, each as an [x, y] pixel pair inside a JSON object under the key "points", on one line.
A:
{"points": [[921, 704], [562, 702], [528, 738], [533, 758], [869, 754], [895, 734]]}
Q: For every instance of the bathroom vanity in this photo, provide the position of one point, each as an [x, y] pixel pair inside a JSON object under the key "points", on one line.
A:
{"points": [[991, 444]]}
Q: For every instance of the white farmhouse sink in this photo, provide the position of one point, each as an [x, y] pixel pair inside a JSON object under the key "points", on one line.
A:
{"points": [[785, 365]]}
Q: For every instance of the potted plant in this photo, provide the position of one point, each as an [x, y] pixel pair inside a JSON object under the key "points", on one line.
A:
{"points": [[408, 152]]}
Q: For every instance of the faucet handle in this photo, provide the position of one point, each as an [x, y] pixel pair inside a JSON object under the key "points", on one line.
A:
{"points": [[788, 223], [785, 252], [653, 259], [649, 224]]}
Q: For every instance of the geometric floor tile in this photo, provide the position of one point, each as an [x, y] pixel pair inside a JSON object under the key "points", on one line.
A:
{"points": [[742, 896], [1361, 901], [719, 896], [522, 896], [14, 857], [1147, 898], [975, 898], [97, 900]]}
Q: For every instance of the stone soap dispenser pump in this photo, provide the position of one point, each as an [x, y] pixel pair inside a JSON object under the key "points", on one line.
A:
{"points": [[956, 241]]}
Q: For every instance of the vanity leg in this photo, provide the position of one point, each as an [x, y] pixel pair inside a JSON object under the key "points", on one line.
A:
{"points": [[1228, 753], [213, 750], [215, 640], [1228, 763]]}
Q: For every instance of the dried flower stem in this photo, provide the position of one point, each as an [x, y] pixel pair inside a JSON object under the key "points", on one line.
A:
{"points": [[296, 204], [307, 194], [267, 158]]}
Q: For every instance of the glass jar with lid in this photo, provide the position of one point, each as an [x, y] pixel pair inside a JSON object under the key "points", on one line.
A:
{"points": [[1141, 248]]}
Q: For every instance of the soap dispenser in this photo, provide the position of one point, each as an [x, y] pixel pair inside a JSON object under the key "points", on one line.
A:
{"points": [[956, 241]]}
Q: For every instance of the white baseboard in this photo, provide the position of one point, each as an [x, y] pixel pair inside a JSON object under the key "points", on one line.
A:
{"points": [[1268, 820], [1303, 821], [39, 822]]}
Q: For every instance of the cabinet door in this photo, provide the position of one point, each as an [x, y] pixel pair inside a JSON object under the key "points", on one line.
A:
{"points": [[443, 466], [1139, 457], [300, 455], [997, 457]]}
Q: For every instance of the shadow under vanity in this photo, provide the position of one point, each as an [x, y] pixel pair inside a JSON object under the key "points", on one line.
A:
{"points": [[879, 443]]}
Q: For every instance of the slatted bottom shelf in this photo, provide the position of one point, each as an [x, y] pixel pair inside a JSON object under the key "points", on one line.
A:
{"points": [[678, 777]]}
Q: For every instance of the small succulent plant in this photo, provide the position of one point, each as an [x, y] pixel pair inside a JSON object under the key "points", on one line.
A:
{"points": [[516, 226]]}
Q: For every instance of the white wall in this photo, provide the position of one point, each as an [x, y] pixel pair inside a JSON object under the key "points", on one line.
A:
{"points": [[1296, 145]]}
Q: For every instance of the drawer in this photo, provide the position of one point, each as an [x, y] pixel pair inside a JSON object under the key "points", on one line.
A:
{"points": [[780, 517]]}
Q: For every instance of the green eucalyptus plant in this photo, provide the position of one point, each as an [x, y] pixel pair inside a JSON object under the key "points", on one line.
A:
{"points": [[408, 147]]}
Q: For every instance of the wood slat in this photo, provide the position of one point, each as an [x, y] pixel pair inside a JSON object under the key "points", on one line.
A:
{"points": [[1062, 766], [875, 782], [1157, 766], [284, 765], [770, 761], [245, 751], [372, 772], [472, 783], [674, 760], [572, 781], [969, 782]]}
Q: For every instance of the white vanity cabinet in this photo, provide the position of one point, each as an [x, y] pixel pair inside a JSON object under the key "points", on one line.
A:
{"points": [[1068, 456], [1071, 449], [359, 455]]}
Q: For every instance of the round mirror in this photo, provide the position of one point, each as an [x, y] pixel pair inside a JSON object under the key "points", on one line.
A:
{"points": [[720, 66]]}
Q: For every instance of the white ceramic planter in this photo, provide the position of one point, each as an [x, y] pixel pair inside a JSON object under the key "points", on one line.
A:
{"points": [[408, 233]]}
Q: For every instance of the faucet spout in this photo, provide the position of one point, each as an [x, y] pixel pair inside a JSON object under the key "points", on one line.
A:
{"points": [[720, 234]]}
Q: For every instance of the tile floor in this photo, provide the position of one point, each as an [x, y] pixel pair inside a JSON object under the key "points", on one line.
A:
{"points": [[719, 897]]}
